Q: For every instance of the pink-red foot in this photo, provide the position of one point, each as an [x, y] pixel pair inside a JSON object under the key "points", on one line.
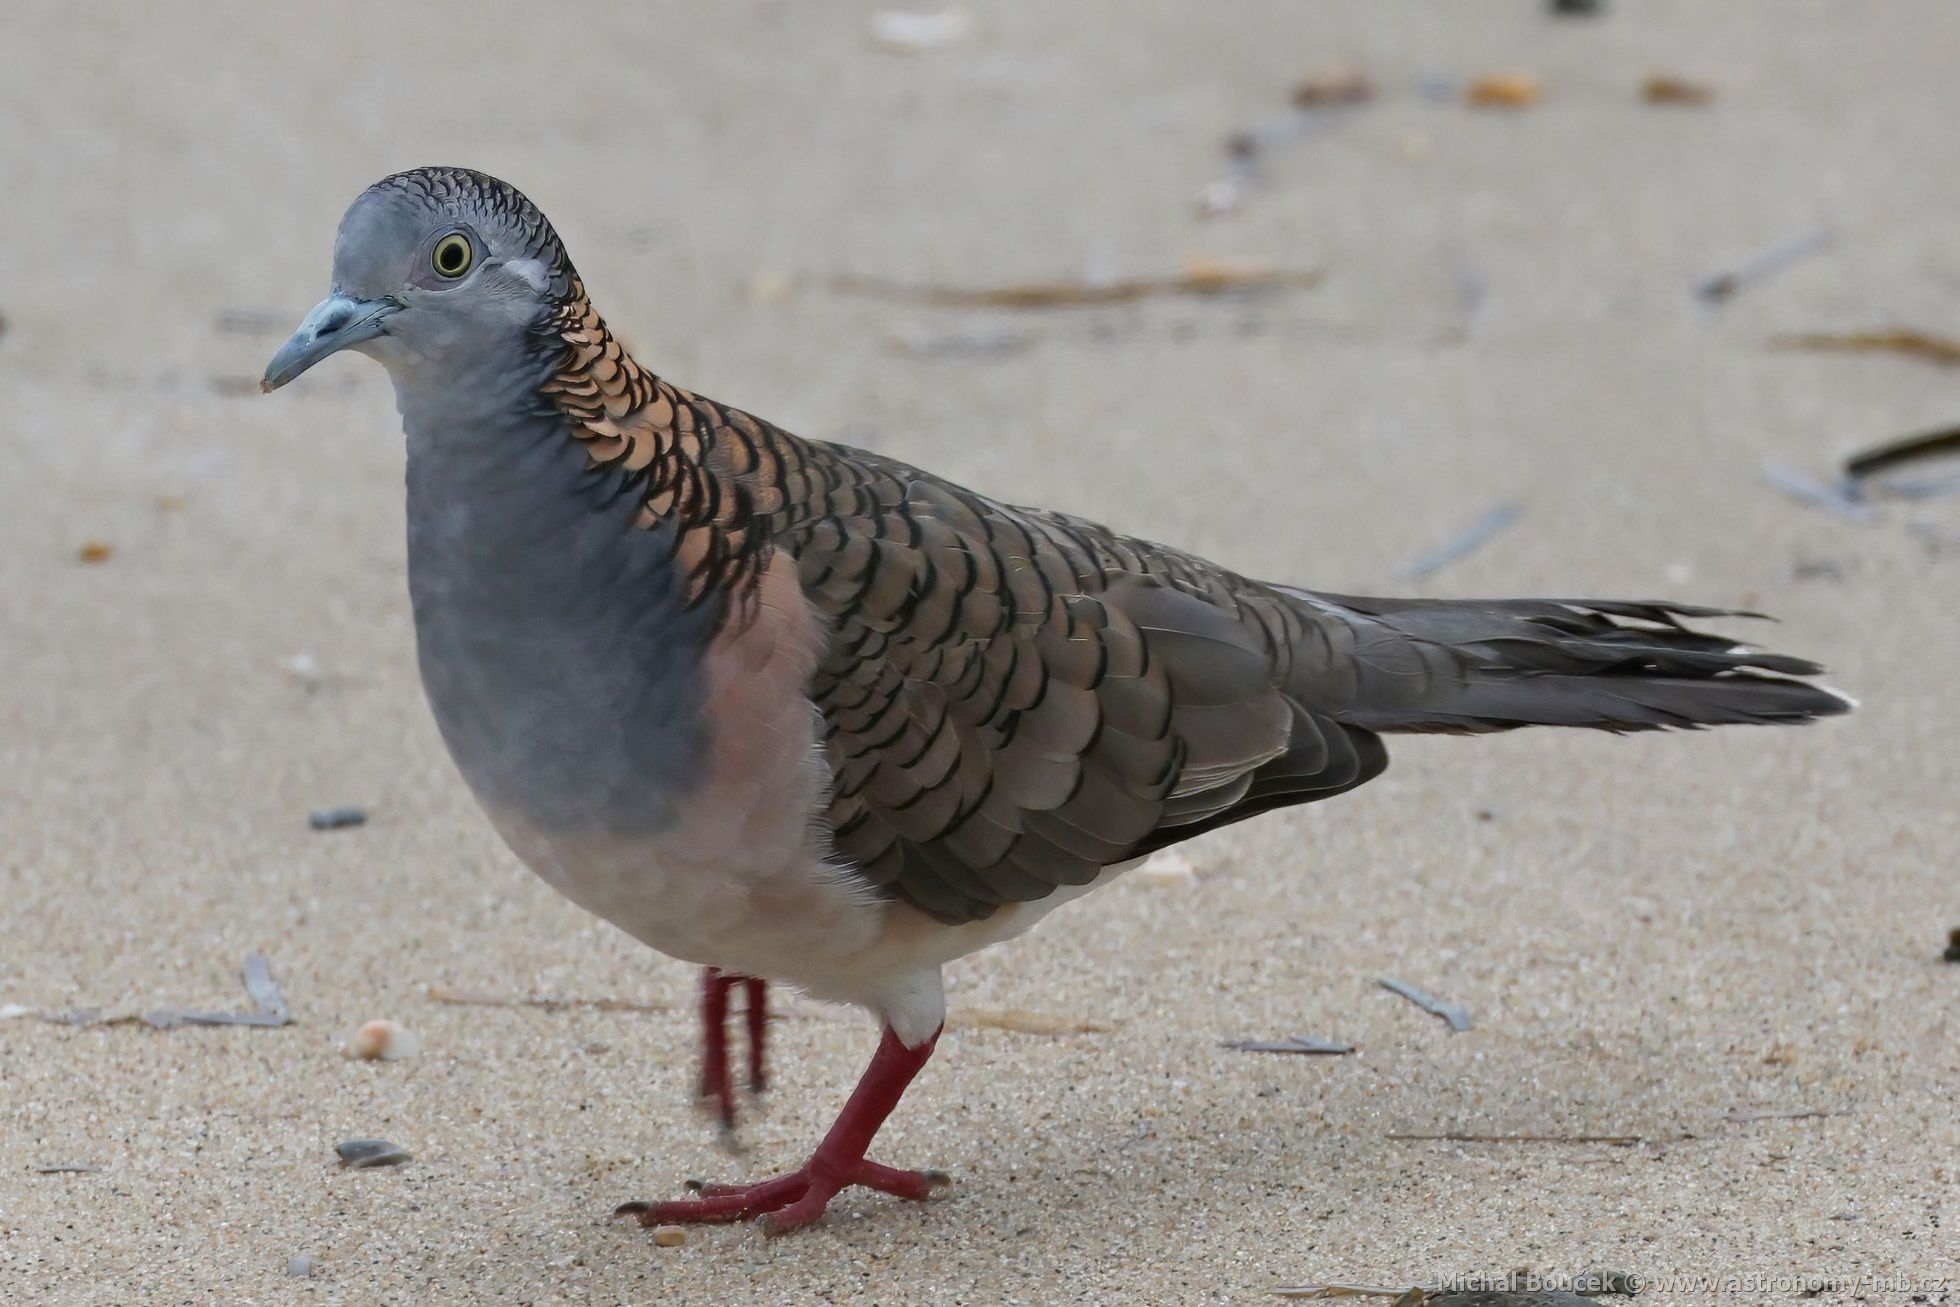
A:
{"points": [[787, 1201], [798, 1198]]}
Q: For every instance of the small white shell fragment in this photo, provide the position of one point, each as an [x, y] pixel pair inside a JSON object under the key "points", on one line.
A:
{"points": [[304, 667], [669, 1236], [910, 33], [772, 288], [383, 1041], [1168, 867], [1220, 197], [300, 1268]]}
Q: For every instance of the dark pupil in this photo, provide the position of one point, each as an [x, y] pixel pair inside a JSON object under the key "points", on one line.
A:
{"points": [[450, 257]]}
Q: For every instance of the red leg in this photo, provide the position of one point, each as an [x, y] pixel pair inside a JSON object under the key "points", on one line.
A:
{"points": [[800, 1196], [756, 990], [714, 1087]]}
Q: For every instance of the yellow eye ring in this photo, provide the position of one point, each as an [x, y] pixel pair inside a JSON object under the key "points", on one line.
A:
{"points": [[452, 256]]}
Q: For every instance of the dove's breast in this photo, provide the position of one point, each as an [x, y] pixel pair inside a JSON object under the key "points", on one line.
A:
{"points": [[656, 766]]}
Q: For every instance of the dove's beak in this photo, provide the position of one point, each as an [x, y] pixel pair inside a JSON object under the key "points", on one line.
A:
{"points": [[335, 323]]}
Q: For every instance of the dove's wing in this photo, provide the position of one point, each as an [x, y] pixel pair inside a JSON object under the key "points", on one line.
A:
{"points": [[1014, 700]]}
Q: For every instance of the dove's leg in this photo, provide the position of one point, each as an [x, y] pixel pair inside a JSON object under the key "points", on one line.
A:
{"points": [[716, 1087], [800, 1196], [756, 991]]}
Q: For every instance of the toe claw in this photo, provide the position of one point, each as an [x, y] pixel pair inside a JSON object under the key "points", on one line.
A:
{"points": [[633, 1208]]}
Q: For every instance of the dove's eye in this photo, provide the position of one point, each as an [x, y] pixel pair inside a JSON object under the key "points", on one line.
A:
{"points": [[452, 255]]}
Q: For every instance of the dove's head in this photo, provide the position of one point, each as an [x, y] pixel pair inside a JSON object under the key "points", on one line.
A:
{"points": [[438, 271]]}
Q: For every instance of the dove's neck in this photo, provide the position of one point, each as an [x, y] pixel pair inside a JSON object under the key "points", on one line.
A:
{"points": [[713, 474], [557, 643]]}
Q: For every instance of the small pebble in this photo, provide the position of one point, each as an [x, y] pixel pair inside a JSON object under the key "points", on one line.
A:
{"points": [[360, 1154], [383, 1041], [1665, 88], [669, 1236], [300, 1268], [336, 818], [1333, 86], [95, 551], [1503, 91]]}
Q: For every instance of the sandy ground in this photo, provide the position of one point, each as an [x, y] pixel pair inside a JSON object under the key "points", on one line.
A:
{"points": [[1652, 934]]}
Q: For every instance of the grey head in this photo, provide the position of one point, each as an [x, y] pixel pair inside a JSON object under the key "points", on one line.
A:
{"points": [[434, 271]]}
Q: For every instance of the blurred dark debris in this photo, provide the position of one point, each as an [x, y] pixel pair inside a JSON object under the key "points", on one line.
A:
{"points": [[264, 990], [1341, 85], [1743, 1116], [1577, 8], [960, 344], [1859, 484], [1952, 953], [1666, 88], [94, 551], [1760, 267], [1908, 341], [336, 818], [468, 998], [1458, 1018], [271, 1008], [1318, 102], [1203, 278], [1465, 542], [1939, 543], [1916, 487], [363, 1154], [1906, 449], [67, 1168], [1819, 569], [1817, 494], [1512, 90], [1291, 1044]]}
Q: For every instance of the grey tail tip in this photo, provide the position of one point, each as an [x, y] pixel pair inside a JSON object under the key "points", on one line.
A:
{"points": [[1612, 665]]}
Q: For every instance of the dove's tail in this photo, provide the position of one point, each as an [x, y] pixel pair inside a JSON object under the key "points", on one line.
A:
{"points": [[1470, 665]]}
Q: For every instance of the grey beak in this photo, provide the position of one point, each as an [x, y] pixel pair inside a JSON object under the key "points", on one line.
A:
{"points": [[335, 323]]}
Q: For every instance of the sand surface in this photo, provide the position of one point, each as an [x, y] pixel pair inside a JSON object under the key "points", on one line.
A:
{"points": [[1651, 934]]}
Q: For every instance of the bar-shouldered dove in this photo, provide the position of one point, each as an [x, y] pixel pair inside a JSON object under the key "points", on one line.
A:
{"points": [[798, 712]]}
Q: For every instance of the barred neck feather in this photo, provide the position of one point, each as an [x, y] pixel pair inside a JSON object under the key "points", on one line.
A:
{"points": [[728, 481]]}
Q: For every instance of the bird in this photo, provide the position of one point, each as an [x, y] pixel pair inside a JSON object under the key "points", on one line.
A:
{"points": [[799, 713]]}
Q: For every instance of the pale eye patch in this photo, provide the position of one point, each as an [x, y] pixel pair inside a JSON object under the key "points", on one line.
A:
{"points": [[532, 270]]}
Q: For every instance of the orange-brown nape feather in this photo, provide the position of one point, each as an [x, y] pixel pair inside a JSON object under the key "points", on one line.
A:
{"points": [[726, 479]]}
